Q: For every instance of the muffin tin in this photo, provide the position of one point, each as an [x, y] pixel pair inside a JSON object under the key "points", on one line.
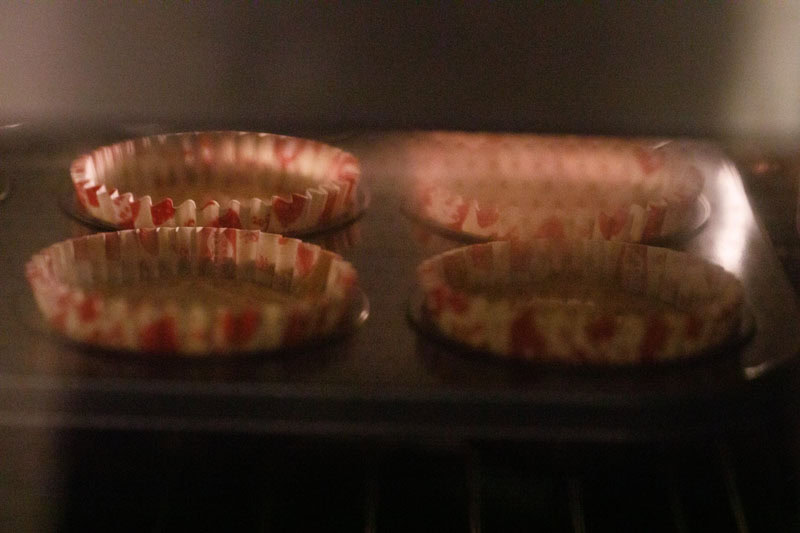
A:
{"points": [[524, 186], [388, 380]]}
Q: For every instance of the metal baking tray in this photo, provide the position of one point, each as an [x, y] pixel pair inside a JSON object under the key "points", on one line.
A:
{"points": [[386, 381]]}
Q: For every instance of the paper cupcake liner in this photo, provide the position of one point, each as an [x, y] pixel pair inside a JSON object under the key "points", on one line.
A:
{"points": [[226, 179], [527, 186], [66, 279], [338, 239], [704, 301]]}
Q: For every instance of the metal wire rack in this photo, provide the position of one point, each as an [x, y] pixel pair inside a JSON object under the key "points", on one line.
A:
{"points": [[167, 482]]}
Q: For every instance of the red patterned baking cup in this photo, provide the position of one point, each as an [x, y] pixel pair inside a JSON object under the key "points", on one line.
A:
{"points": [[192, 290], [579, 301], [217, 179], [505, 186]]}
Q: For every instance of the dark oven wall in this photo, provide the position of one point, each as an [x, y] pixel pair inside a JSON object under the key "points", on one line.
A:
{"points": [[699, 69]]}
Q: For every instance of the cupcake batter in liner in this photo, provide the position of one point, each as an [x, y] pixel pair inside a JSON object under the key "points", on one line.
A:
{"points": [[193, 291]]}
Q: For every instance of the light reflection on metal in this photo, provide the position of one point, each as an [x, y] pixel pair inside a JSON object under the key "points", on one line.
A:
{"points": [[5, 187], [5, 180], [752, 372], [733, 221], [765, 167]]}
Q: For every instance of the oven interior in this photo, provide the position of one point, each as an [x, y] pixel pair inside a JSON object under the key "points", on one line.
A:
{"points": [[421, 438]]}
